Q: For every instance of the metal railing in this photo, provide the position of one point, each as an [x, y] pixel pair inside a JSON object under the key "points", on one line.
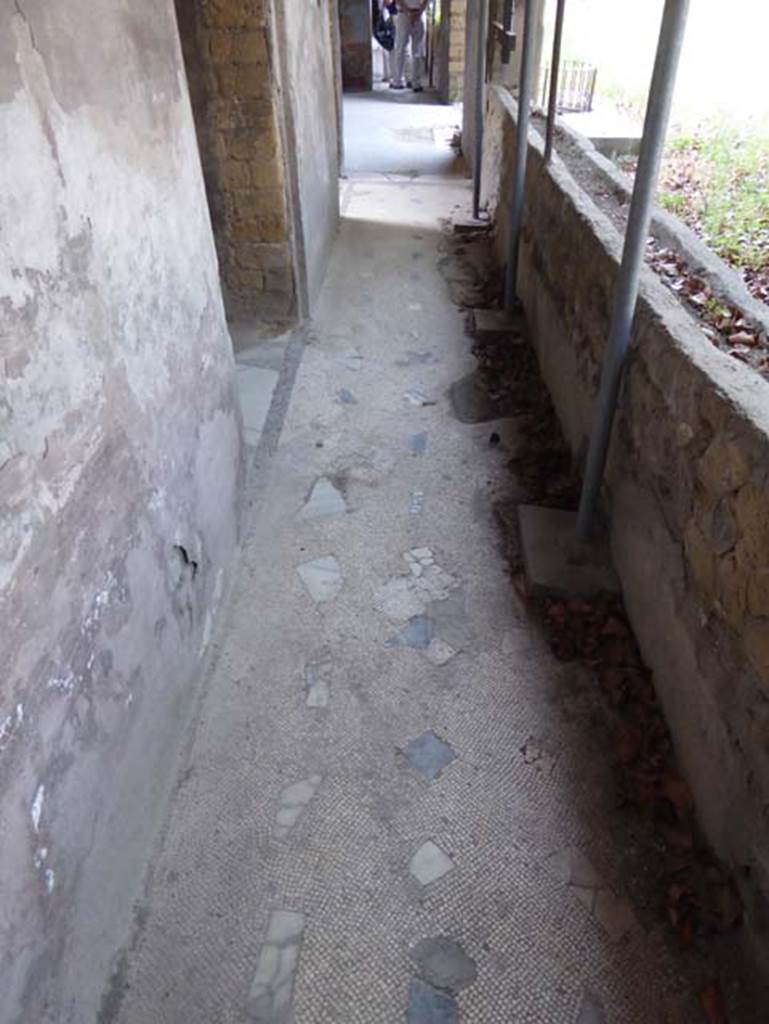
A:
{"points": [[576, 87]]}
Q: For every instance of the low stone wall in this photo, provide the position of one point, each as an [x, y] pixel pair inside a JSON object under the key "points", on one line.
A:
{"points": [[686, 491]]}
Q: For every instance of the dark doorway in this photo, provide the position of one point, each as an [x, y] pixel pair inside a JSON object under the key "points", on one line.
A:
{"points": [[355, 29]]}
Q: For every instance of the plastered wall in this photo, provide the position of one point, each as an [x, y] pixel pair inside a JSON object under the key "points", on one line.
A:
{"points": [[306, 30], [120, 477]]}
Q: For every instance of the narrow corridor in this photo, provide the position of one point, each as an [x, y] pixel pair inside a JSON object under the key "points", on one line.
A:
{"points": [[392, 807]]}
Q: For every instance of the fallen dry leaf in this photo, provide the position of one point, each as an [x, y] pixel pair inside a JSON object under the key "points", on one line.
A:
{"points": [[675, 790], [712, 1003], [743, 338], [676, 837], [627, 743], [725, 908], [521, 585]]}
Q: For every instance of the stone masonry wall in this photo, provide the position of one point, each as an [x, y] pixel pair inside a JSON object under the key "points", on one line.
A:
{"points": [[457, 49], [687, 489], [451, 50], [234, 84]]}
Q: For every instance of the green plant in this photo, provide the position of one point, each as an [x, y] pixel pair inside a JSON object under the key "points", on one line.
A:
{"points": [[673, 201], [718, 182]]}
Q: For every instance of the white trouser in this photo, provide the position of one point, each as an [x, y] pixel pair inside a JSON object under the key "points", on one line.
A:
{"points": [[408, 30], [389, 64]]}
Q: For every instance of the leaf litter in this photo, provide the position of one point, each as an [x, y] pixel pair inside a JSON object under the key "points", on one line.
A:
{"points": [[697, 896]]}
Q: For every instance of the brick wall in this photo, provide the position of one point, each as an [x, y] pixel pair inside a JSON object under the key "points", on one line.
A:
{"points": [[450, 50], [231, 69], [456, 54]]}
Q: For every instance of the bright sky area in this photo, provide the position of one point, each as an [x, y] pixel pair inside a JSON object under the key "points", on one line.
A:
{"points": [[724, 72]]}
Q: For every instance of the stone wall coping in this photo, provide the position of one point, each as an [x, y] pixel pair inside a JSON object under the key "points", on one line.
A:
{"points": [[739, 385], [724, 280]]}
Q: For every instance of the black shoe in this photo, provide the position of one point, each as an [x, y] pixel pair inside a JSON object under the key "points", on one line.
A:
{"points": [[419, 88], [396, 85]]}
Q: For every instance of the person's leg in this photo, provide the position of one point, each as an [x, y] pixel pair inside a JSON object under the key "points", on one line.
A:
{"points": [[417, 52], [402, 34], [389, 59]]}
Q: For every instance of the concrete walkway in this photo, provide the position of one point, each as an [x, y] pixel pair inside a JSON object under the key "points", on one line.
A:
{"points": [[392, 808]]}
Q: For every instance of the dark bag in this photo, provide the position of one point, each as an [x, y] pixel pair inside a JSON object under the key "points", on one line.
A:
{"points": [[384, 29]]}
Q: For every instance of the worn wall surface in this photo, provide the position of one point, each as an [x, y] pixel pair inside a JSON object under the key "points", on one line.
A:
{"points": [[120, 476], [310, 94], [687, 489], [450, 50], [234, 80], [357, 55]]}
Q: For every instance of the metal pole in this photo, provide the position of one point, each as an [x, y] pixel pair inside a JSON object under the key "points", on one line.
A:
{"points": [[521, 154], [655, 128], [480, 95], [555, 69]]}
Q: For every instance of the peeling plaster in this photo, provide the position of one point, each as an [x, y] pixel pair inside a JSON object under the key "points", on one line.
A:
{"points": [[119, 437], [10, 725], [36, 809]]}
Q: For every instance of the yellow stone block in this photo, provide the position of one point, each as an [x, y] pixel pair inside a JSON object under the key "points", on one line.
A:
{"points": [[250, 48]]}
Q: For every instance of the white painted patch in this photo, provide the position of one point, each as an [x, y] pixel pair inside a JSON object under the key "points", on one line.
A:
{"points": [[50, 880], [397, 600], [206, 638], [255, 390], [10, 724], [210, 615], [100, 601], [218, 588], [6, 728], [439, 652], [64, 683], [40, 856], [157, 501], [36, 810], [430, 863], [418, 396], [322, 578], [325, 501], [416, 503], [423, 555]]}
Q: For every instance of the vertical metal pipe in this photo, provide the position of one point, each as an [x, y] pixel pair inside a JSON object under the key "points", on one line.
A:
{"points": [[480, 106], [555, 69], [655, 127], [521, 154]]}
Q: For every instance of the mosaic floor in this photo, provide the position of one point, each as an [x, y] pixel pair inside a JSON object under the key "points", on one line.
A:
{"points": [[393, 808]]}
